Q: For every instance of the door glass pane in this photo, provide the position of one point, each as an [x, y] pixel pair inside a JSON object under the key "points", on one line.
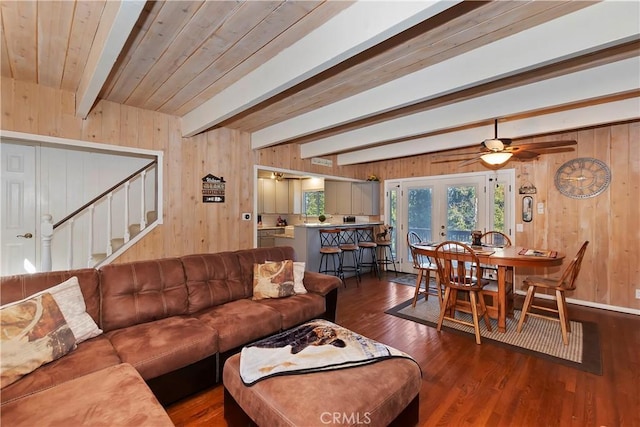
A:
{"points": [[420, 212], [462, 212], [498, 208], [393, 220]]}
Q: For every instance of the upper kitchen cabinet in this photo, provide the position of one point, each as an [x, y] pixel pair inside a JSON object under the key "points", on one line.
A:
{"points": [[365, 198], [337, 197], [295, 196], [273, 196]]}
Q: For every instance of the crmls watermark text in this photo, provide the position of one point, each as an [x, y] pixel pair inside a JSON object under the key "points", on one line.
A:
{"points": [[345, 418]]}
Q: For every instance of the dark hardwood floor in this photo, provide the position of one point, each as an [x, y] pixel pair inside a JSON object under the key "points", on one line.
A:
{"points": [[482, 385]]}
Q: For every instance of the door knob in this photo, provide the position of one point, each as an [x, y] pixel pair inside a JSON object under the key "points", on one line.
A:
{"points": [[25, 235]]}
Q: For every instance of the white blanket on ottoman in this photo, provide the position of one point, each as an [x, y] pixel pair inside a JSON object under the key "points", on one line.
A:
{"points": [[315, 346]]}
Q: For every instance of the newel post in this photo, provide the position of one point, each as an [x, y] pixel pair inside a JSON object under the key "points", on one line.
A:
{"points": [[46, 232]]}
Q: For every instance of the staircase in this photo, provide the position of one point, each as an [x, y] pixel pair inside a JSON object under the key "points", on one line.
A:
{"points": [[88, 238]]}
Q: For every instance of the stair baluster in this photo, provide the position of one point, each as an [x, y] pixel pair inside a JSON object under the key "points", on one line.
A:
{"points": [[127, 234], [109, 225], [90, 237], [143, 220]]}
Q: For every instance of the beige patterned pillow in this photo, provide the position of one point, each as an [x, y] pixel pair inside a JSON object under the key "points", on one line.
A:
{"points": [[33, 332], [69, 297], [273, 280], [298, 277]]}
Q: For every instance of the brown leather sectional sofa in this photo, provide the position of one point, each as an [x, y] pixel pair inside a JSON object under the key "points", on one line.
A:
{"points": [[171, 322]]}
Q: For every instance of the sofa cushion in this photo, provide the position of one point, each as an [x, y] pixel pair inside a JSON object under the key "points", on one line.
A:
{"points": [[33, 332], [114, 396], [21, 286], [90, 356], [297, 309], [162, 346], [273, 279], [240, 322], [142, 291], [214, 279]]}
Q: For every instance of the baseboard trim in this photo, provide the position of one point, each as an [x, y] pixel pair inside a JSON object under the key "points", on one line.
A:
{"points": [[591, 304]]}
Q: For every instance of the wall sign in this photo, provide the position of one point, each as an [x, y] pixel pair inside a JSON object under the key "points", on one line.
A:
{"points": [[213, 189]]}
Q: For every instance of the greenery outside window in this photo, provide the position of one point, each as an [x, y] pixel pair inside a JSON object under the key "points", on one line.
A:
{"points": [[313, 202]]}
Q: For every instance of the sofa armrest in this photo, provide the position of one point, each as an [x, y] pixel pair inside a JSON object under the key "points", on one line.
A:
{"points": [[320, 283]]}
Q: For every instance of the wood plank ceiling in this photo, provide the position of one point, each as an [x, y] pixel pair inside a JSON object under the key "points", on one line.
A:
{"points": [[180, 57]]}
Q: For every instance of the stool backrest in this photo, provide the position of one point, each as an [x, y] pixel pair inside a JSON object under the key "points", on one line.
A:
{"points": [[349, 236], [329, 237], [365, 234]]}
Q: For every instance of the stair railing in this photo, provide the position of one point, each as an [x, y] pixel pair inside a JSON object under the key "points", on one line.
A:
{"points": [[48, 229]]}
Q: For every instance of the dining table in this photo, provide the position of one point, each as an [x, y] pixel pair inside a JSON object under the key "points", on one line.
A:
{"points": [[504, 259]]}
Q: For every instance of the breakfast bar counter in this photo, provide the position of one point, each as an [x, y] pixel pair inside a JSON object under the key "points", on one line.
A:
{"points": [[306, 240]]}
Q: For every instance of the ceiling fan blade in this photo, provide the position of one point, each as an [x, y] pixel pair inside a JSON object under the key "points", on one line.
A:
{"points": [[540, 145], [450, 160], [468, 162], [533, 154], [460, 154]]}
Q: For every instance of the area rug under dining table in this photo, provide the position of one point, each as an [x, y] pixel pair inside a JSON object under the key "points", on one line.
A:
{"points": [[539, 337]]}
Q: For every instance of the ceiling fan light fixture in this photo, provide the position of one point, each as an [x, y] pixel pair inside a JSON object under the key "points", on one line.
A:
{"points": [[496, 158], [278, 176]]}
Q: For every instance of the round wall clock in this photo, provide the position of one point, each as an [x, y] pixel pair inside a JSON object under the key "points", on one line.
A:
{"points": [[582, 178]]}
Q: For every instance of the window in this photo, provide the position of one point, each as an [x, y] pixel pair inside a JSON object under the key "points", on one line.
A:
{"points": [[313, 202]]}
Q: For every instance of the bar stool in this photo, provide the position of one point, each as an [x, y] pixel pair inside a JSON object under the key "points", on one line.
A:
{"points": [[383, 240], [366, 243], [349, 245], [330, 249]]}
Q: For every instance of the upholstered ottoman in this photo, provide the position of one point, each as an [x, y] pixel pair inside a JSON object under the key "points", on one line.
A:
{"points": [[377, 394]]}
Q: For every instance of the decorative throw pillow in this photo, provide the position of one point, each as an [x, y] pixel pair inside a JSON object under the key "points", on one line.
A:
{"points": [[298, 277], [69, 297], [273, 280], [33, 332]]}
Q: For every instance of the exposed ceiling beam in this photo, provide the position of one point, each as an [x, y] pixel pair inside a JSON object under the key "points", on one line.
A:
{"points": [[116, 23], [617, 23], [594, 115], [593, 83], [357, 28]]}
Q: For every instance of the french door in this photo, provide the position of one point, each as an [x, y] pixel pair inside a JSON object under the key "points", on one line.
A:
{"points": [[448, 207]]}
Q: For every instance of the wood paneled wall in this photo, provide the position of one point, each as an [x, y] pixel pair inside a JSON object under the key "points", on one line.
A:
{"points": [[190, 226], [610, 221]]}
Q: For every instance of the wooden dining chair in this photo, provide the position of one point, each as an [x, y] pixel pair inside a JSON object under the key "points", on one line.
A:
{"points": [[496, 239], [424, 266], [499, 240], [566, 282], [458, 272]]}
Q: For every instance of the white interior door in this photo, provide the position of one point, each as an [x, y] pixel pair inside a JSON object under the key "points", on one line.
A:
{"points": [[18, 216]]}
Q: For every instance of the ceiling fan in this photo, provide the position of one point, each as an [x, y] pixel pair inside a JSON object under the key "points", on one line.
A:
{"points": [[496, 151]]}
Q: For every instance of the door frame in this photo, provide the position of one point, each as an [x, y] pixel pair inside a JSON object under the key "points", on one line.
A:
{"points": [[506, 176]]}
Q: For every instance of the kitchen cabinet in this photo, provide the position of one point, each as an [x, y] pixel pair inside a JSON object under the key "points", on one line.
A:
{"points": [[273, 196], [365, 198], [295, 196], [337, 197]]}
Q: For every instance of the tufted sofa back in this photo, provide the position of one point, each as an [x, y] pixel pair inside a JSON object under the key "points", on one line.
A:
{"points": [[213, 279], [15, 288], [142, 291], [122, 295]]}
